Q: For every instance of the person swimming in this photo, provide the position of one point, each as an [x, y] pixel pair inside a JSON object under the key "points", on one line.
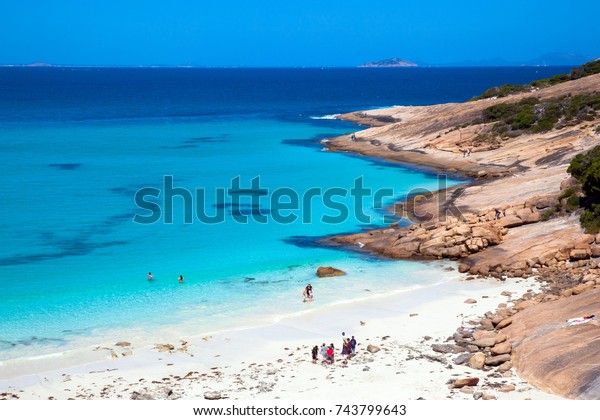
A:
{"points": [[149, 276]]}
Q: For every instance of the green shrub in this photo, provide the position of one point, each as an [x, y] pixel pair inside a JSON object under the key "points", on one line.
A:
{"points": [[573, 203], [502, 91], [532, 116], [548, 214], [567, 193], [590, 219], [544, 124], [585, 167], [523, 120]]}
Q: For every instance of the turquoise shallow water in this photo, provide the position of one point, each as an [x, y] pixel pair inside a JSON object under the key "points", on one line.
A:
{"points": [[87, 260], [77, 145]]}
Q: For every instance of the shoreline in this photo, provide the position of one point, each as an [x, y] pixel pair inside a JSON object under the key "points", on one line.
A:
{"points": [[96, 343], [268, 357], [364, 273]]}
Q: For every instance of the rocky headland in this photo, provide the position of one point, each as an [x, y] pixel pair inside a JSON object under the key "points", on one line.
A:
{"points": [[511, 220]]}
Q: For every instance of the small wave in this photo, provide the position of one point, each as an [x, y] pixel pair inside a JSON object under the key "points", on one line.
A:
{"points": [[326, 117]]}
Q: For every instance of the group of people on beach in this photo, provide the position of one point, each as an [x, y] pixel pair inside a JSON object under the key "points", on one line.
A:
{"points": [[150, 277], [328, 352]]}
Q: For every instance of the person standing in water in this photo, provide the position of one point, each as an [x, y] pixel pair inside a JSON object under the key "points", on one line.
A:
{"points": [[307, 293], [149, 276], [180, 278]]}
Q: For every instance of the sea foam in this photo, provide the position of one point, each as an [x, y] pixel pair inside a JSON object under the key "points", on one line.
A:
{"points": [[326, 117]]}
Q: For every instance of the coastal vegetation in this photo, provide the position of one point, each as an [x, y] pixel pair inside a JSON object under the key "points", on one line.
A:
{"points": [[587, 69], [585, 167], [568, 202]]}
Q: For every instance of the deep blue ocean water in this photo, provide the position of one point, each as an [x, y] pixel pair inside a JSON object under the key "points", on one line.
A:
{"points": [[76, 144]]}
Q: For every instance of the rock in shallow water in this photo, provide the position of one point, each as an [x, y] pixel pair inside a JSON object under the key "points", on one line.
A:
{"points": [[329, 272]]}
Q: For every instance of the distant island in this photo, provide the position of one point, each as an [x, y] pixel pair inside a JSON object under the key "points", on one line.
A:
{"points": [[39, 64], [390, 62]]}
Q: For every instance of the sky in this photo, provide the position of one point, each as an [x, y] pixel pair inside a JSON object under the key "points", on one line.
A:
{"points": [[293, 33]]}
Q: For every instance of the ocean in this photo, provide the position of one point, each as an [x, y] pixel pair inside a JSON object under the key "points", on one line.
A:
{"points": [[111, 173]]}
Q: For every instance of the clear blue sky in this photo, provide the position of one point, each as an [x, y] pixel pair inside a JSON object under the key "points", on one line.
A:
{"points": [[292, 32]]}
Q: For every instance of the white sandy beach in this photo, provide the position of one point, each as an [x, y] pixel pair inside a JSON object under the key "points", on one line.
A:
{"points": [[274, 362]]}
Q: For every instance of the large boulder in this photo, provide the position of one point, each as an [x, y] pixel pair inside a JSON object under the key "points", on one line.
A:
{"points": [[463, 230], [491, 234], [497, 360], [547, 257], [329, 272], [486, 324], [500, 338], [456, 251], [434, 243], [409, 246], [580, 253], [464, 268], [505, 367], [528, 216], [479, 334], [485, 342], [587, 239], [432, 251], [501, 348], [543, 202], [504, 323], [477, 360], [524, 305], [567, 183], [459, 383], [510, 221]]}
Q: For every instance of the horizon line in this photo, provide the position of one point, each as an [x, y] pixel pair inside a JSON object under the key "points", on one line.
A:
{"points": [[48, 65]]}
